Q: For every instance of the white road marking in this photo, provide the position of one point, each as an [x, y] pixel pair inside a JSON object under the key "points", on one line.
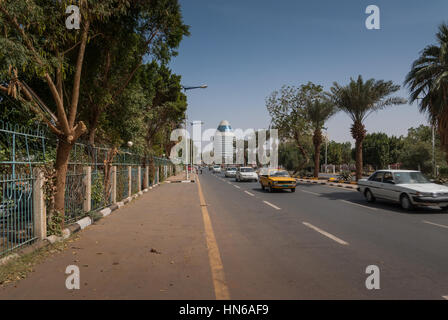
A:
{"points": [[435, 224], [238, 187], [272, 205], [359, 205], [445, 297], [329, 235], [251, 194], [316, 194]]}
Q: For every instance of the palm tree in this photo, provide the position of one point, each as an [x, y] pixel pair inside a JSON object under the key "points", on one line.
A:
{"points": [[359, 99], [428, 82], [318, 111]]}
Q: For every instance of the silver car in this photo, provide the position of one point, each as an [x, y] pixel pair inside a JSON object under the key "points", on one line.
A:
{"points": [[246, 174], [230, 173], [406, 187]]}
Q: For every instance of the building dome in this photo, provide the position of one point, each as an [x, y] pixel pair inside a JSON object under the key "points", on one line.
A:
{"points": [[224, 126]]}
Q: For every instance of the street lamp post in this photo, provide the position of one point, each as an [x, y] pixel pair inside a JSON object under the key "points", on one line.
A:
{"points": [[187, 155]]}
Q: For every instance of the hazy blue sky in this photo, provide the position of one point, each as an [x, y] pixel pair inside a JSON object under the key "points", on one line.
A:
{"points": [[245, 49]]}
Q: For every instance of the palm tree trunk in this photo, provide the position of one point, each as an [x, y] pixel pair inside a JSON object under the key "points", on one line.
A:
{"points": [[316, 160], [358, 149], [317, 141]]}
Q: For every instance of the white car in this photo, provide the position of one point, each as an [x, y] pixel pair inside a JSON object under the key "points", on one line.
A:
{"points": [[216, 169], [408, 188], [246, 174], [230, 172]]}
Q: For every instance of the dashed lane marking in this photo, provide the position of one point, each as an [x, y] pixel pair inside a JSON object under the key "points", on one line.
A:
{"points": [[435, 224], [272, 205], [325, 233], [359, 205], [251, 194], [310, 192]]}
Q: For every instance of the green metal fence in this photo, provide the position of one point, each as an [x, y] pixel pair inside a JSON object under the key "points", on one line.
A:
{"points": [[16, 211], [75, 194], [134, 180], [23, 148], [122, 183]]}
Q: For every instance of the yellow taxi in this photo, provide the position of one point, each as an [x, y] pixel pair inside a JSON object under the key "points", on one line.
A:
{"points": [[273, 179]]}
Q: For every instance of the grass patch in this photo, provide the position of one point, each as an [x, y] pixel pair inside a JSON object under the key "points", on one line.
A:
{"points": [[18, 268]]}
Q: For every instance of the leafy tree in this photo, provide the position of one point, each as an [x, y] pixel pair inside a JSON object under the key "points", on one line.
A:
{"points": [[428, 82], [376, 150], [34, 43], [359, 99], [287, 110]]}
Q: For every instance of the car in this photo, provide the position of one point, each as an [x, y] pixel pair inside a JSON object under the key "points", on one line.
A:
{"points": [[409, 188], [246, 174], [216, 169], [275, 179], [230, 172]]}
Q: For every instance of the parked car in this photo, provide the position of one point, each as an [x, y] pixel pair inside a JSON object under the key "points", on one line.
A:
{"points": [[216, 169], [276, 179], [246, 174], [230, 172], [406, 187]]}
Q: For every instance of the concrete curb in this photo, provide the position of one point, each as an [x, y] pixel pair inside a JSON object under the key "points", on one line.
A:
{"points": [[73, 228], [335, 184]]}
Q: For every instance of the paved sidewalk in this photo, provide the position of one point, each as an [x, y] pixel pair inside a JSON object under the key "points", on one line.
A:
{"points": [[153, 248]]}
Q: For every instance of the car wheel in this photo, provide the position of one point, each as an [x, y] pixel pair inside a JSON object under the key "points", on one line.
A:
{"points": [[271, 189], [293, 189], [262, 186], [444, 209], [369, 196], [405, 202]]}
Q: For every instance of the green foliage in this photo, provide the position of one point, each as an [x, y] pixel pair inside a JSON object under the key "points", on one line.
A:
{"points": [[376, 150], [337, 153]]}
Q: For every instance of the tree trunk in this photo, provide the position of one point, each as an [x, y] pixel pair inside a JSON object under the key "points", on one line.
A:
{"points": [[62, 157], [317, 141], [316, 160], [358, 149]]}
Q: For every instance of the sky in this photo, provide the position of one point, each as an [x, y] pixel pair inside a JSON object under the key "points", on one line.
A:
{"points": [[245, 49]]}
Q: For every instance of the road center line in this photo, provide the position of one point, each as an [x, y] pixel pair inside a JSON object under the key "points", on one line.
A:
{"points": [[316, 194], [359, 205], [214, 256], [435, 224], [251, 194], [272, 205], [238, 187], [325, 233]]}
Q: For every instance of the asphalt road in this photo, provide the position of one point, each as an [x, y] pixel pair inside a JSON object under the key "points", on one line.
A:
{"points": [[316, 243]]}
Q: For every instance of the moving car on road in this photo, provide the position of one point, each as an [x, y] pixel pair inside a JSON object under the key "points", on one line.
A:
{"points": [[216, 169], [408, 188], [276, 179], [230, 172], [246, 174]]}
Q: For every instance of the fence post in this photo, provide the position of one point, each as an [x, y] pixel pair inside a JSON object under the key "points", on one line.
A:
{"points": [[129, 181], [139, 178], [87, 180], [39, 208], [147, 176], [113, 184]]}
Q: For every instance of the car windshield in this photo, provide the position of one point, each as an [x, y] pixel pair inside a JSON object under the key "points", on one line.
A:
{"points": [[247, 170], [279, 174], [410, 177], [231, 169]]}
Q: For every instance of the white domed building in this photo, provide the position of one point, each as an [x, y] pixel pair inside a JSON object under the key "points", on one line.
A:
{"points": [[223, 143]]}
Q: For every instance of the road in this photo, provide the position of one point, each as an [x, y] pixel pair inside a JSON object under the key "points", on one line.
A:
{"points": [[218, 238], [317, 242]]}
